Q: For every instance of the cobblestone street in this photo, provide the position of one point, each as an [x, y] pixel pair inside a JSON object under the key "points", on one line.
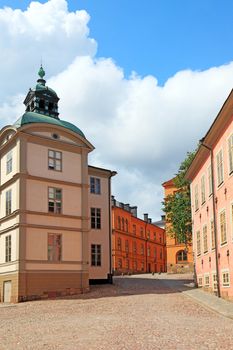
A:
{"points": [[137, 312]]}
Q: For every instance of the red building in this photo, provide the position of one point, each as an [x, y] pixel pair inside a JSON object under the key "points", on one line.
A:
{"points": [[138, 246]]}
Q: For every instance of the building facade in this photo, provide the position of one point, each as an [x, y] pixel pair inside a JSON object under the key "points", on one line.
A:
{"points": [[45, 211], [179, 255], [212, 205], [138, 246]]}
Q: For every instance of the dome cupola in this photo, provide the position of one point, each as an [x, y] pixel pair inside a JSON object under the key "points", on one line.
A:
{"points": [[42, 99]]}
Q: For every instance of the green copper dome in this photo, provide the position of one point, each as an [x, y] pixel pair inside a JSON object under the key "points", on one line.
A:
{"points": [[32, 117], [41, 72]]}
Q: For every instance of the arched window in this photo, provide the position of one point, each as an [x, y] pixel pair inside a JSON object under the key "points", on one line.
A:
{"points": [[119, 222], [119, 244], [181, 256], [127, 246], [123, 224]]}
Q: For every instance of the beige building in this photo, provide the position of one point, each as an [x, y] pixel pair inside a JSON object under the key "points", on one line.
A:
{"points": [[54, 228]]}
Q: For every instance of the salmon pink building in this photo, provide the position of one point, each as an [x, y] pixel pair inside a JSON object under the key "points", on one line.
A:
{"points": [[55, 212], [211, 175], [138, 246]]}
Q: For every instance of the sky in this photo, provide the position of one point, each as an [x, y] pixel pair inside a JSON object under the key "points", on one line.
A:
{"points": [[144, 80]]}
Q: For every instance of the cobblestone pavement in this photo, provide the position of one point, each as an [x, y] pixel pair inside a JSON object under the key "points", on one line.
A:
{"points": [[137, 312]]}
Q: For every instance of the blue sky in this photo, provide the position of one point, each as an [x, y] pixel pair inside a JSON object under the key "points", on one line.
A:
{"points": [[141, 124], [158, 37]]}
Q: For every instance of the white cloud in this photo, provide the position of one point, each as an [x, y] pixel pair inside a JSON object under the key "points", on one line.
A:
{"points": [[139, 128], [48, 31]]}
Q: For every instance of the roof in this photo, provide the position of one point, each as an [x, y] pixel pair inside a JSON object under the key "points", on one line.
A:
{"points": [[32, 117], [41, 87], [220, 123], [169, 183]]}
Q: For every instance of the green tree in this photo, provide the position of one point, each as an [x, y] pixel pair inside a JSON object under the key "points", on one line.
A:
{"points": [[177, 206]]}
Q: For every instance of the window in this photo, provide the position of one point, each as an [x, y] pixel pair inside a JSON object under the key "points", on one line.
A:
{"points": [[181, 256], [95, 218], [198, 243], [161, 254], [207, 280], [220, 167], [141, 231], [135, 265], [119, 263], [214, 282], [230, 153], [160, 238], [8, 248], [95, 185], [225, 278], [127, 246], [199, 281], [205, 240], [223, 230], [123, 224], [95, 255], [9, 162], [196, 197], [210, 180], [135, 247], [126, 225], [55, 200], [54, 247], [212, 234], [203, 189], [118, 244], [119, 222], [148, 251], [148, 234], [155, 253], [134, 229], [127, 263], [142, 249], [8, 202], [155, 236], [55, 160], [142, 266]]}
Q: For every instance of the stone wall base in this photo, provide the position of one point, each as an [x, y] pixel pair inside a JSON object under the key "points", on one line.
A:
{"points": [[13, 278], [180, 268]]}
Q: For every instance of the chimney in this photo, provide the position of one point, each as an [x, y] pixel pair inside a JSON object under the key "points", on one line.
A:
{"points": [[113, 201], [134, 211], [145, 217], [149, 220], [163, 217], [127, 207]]}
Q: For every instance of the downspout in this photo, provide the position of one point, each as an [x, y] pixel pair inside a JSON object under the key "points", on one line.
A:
{"points": [[113, 173], [214, 214]]}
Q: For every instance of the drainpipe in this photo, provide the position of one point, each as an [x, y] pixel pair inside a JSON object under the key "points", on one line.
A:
{"points": [[113, 173], [214, 213]]}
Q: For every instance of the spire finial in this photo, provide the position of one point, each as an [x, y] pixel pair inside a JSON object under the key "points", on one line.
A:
{"points": [[41, 72]]}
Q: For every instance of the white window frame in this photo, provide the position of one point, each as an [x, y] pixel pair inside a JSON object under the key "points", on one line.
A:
{"points": [[198, 279], [224, 271], [220, 168], [95, 185], [231, 219], [206, 275], [230, 154], [210, 180], [196, 199], [198, 250], [206, 234], [203, 192], [222, 243], [9, 160], [212, 241], [214, 281]]}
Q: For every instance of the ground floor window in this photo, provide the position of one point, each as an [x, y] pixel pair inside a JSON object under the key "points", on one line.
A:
{"points": [[207, 280], [214, 281], [54, 247], [199, 281], [225, 278], [95, 255], [119, 263], [181, 256]]}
